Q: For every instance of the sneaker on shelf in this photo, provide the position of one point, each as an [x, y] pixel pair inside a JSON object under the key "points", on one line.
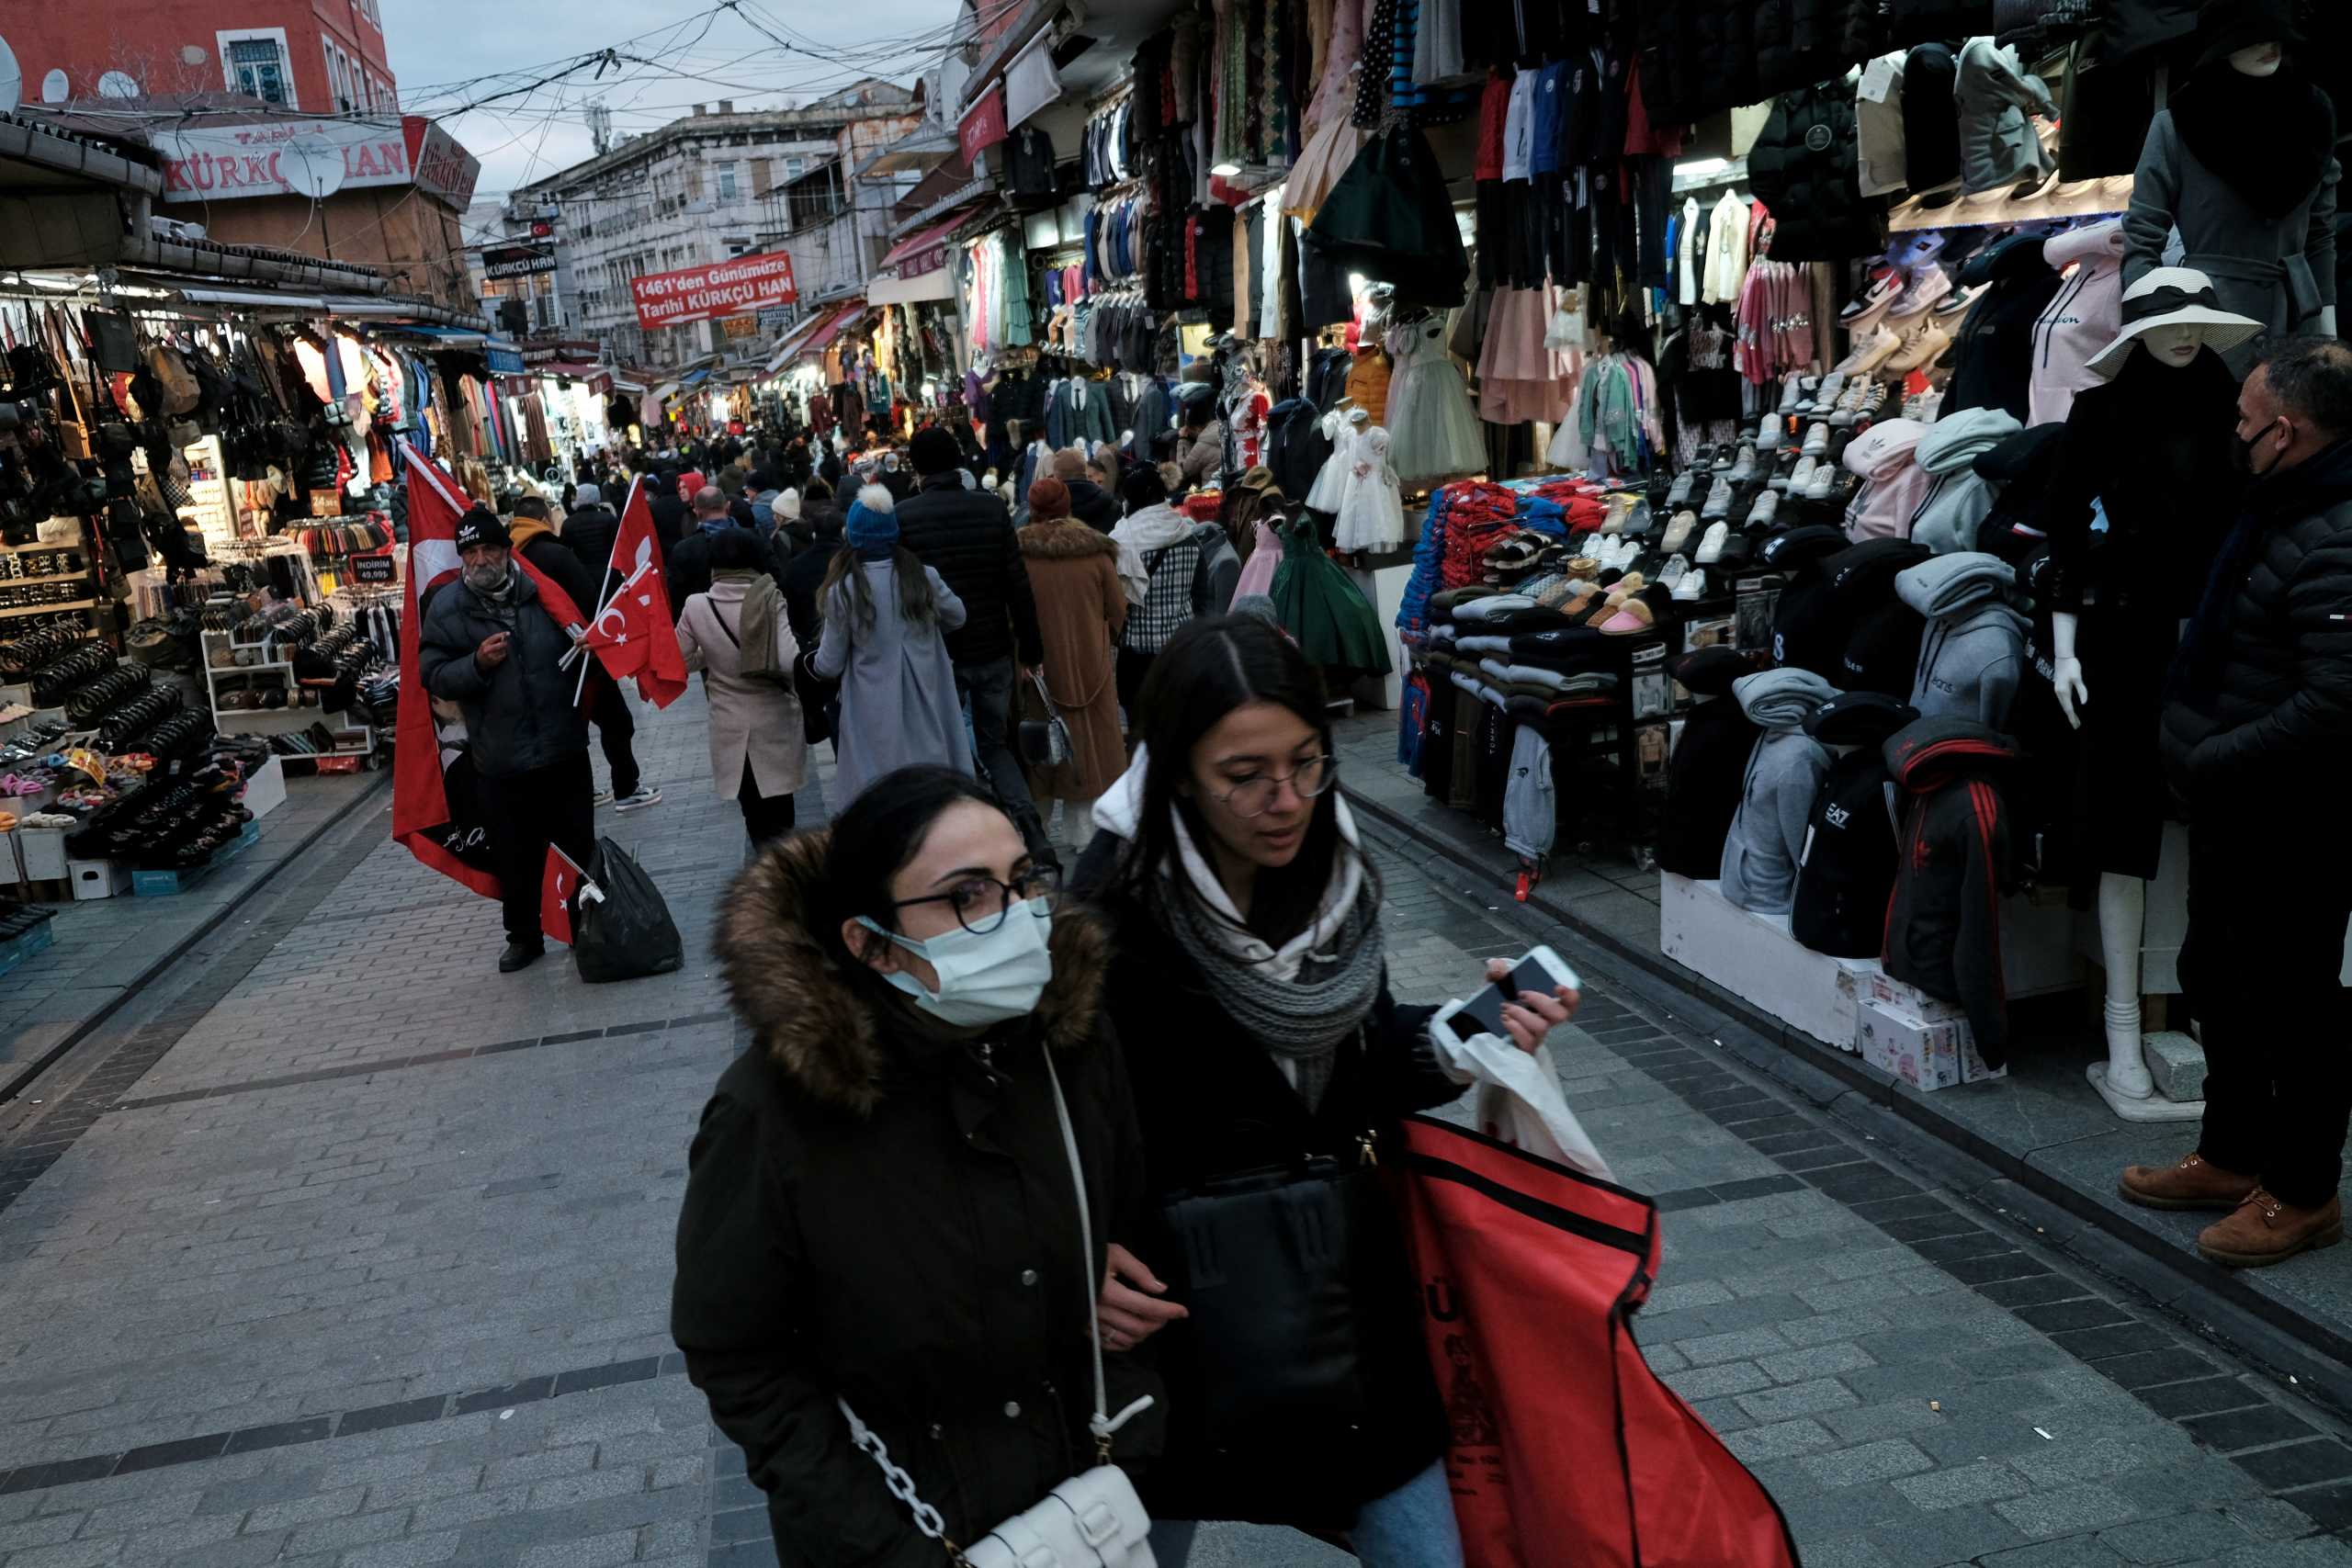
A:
{"points": [[1850, 405], [1824, 397], [1691, 585], [1955, 305], [1824, 481], [1816, 440], [1873, 401], [1674, 570], [1880, 291], [1768, 435], [1923, 406], [602, 797], [1679, 532], [1929, 285], [1678, 494], [1858, 361], [1923, 348], [1920, 248], [1743, 468], [1796, 478], [1761, 515], [1718, 501], [646, 795], [1791, 392], [1710, 549]]}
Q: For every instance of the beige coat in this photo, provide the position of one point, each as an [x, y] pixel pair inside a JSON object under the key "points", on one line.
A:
{"points": [[754, 720], [1074, 572]]}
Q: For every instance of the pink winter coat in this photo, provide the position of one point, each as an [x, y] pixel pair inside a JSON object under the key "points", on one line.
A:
{"points": [[1892, 483], [2079, 321]]}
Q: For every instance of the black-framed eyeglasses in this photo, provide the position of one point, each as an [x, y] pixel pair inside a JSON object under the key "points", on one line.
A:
{"points": [[1255, 794], [981, 903]]}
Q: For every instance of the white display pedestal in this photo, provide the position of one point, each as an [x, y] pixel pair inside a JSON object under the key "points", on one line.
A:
{"points": [[1754, 958], [1385, 588]]}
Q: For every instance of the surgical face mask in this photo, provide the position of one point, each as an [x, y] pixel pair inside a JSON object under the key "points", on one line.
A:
{"points": [[983, 979], [2242, 452]]}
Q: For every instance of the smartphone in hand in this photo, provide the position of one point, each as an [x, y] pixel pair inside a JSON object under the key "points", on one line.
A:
{"points": [[1539, 970]]}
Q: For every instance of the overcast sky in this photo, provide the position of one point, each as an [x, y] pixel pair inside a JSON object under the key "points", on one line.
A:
{"points": [[438, 43]]}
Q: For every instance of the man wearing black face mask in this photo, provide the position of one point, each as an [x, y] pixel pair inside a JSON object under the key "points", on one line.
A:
{"points": [[2257, 739]]}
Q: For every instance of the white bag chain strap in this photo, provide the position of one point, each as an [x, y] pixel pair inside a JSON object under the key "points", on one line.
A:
{"points": [[1103, 1425]]}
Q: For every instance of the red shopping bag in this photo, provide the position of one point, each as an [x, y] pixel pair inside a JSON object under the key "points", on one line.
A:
{"points": [[1565, 1451]]}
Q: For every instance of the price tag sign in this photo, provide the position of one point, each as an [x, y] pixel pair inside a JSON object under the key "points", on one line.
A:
{"points": [[374, 568]]}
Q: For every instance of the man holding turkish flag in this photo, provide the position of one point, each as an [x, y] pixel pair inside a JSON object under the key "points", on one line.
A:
{"points": [[492, 638], [634, 633]]}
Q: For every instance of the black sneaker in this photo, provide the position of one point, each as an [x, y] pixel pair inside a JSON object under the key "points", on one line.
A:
{"points": [[520, 955]]}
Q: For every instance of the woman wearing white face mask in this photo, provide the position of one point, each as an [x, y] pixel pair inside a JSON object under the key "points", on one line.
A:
{"points": [[880, 1209]]}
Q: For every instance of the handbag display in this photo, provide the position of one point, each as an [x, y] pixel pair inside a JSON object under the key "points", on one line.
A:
{"points": [[1044, 742], [1092, 1520]]}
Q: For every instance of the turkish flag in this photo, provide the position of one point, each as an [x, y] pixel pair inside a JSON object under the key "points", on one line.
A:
{"points": [[436, 811], [633, 634], [561, 882]]}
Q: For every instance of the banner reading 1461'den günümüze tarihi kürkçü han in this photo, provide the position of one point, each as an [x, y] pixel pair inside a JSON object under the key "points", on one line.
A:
{"points": [[705, 293]]}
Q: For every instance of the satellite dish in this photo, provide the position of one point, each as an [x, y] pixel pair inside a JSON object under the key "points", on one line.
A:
{"points": [[12, 78], [55, 88], [311, 167], [117, 84]]}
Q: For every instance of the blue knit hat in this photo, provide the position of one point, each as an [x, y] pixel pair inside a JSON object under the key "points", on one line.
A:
{"points": [[872, 528]]}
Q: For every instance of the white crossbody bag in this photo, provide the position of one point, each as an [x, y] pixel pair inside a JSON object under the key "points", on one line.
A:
{"points": [[1093, 1519]]}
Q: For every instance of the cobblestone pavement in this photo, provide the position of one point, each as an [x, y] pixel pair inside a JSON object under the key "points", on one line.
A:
{"points": [[339, 1248]]}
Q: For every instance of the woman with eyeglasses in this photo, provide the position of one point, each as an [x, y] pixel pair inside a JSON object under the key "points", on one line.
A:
{"points": [[1249, 993], [880, 1213]]}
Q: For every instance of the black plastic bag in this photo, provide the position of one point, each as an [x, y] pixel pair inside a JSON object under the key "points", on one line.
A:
{"points": [[629, 934]]}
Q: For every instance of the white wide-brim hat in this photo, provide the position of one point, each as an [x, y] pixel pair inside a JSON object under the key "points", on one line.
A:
{"points": [[2174, 296]]}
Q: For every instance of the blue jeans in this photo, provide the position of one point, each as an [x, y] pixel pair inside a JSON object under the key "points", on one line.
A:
{"points": [[1410, 1527]]}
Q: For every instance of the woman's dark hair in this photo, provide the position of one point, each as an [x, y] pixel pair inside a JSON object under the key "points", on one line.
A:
{"points": [[1209, 669], [873, 839], [1141, 489], [816, 490], [917, 604], [735, 549]]}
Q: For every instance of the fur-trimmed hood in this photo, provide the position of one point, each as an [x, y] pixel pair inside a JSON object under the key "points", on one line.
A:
{"points": [[1064, 539], [815, 1024]]}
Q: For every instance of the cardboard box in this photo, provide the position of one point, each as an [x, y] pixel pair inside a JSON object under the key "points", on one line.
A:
{"points": [[97, 878], [1926, 1055], [1906, 999], [266, 789], [44, 852]]}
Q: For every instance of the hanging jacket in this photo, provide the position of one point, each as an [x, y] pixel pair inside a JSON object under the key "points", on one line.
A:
{"points": [[1784, 769], [1848, 865], [2080, 319], [1881, 644], [1698, 57], [2019, 471], [1892, 481], [1997, 98], [1804, 167], [1943, 920], [1530, 800], [1296, 447], [1390, 217], [1806, 633], [1703, 781], [1931, 129], [1992, 354], [1956, 500], [1973, 652]]}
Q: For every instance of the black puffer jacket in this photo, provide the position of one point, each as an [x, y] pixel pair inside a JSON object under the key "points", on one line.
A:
{"points": [[1804, 167], [1992, 354], [588, 533], [882, 1215], [520, 716], [1701, 56], [966, 536], [2263, 706]]}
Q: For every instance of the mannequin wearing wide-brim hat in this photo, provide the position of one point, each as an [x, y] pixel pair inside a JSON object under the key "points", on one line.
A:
{"points": [[2240, 163], [2144, 489]]}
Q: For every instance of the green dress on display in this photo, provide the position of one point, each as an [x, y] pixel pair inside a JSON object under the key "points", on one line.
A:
{"points": [[1322, 608]]}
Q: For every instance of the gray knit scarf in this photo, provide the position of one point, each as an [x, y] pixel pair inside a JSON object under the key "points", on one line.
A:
{"points": [[1301, 1020]]}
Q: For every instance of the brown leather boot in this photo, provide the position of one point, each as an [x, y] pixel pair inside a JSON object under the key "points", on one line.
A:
{"points": [[2192, 1184], [2264, 1231]]}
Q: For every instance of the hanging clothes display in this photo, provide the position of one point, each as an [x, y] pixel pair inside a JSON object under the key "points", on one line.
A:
{"points": [[1371, 514], [1324, 611], [1437, 435]]}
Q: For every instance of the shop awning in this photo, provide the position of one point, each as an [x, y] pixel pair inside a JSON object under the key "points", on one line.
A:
{"points": [[936, 284], [935, 236], [814, 333], [694, 378], [505, 358], [824, 335], [251, 297]]}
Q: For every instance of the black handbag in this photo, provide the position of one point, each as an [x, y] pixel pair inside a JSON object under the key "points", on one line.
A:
{"points": [[820, 700]]}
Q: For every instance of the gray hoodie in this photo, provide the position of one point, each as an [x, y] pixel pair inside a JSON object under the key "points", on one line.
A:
{"points": [[1993, 96], [1974, 648], [1784, 772], [1957, 499]]}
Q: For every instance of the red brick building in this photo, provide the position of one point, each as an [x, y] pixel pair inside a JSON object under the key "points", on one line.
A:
{"points": [[314, 56]]}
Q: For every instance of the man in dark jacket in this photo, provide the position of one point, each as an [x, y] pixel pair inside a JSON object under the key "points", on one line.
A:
{"points": [[671, 521], [489, 644], [1088, 502], [804, 551], [690, 562], [2258, 736], [533, 537], [968, 536]]}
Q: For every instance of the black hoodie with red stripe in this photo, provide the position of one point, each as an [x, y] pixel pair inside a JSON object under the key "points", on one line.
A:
{"points": [[1943, 920]]}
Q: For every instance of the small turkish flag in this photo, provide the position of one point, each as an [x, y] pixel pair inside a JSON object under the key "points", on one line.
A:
{"points": [[634, 633], [558, 888]]}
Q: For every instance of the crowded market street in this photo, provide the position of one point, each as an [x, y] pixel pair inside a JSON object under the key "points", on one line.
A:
{"points": [[333, 1248]]}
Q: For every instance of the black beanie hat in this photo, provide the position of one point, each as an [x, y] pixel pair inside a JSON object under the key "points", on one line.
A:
{"points": [[934, 451], [481, 526], [1859, 718]]}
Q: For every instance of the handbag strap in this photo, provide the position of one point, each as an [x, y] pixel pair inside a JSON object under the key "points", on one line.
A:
{"points": [[1103, 1425]]}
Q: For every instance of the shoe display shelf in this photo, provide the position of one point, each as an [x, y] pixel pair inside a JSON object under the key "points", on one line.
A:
{"points": [[234, 674], [354, 749], [1853, 1004], [166, 883], [34, 570]]}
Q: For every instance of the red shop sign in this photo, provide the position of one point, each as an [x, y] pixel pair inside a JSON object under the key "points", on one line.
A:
{"points": [[984, 127]]}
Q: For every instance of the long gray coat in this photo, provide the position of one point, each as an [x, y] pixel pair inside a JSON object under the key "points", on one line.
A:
{"points": [[758, 721], [2278, 271], [899, 705]]}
